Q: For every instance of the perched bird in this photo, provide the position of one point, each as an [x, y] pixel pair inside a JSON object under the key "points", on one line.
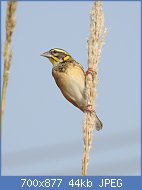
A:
{"points": [[69, 75]]}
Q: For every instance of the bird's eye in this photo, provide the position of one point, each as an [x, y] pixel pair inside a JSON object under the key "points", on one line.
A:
{"points": [[54, 51]]}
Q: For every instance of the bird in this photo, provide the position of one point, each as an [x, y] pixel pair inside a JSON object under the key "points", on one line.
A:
{"points": [[70, 76]]}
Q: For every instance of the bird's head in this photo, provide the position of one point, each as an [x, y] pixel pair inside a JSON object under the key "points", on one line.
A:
{"points": [[57, 56]]}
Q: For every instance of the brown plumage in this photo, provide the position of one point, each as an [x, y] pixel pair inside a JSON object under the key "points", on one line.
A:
{"points": [[70, 78]]}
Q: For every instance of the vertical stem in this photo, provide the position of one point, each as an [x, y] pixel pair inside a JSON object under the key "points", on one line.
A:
{"points": [[10, 25], [95, 44]]}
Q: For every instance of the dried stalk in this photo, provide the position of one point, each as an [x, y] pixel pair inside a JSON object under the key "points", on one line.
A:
{"points": [[95, 44], [10, 25]]}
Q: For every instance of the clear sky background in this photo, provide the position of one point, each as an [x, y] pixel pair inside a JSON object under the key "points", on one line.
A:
{"points": [[42, 132]]}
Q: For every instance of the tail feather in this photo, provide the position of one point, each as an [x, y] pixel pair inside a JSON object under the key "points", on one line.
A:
{"points": [[98, 123]]}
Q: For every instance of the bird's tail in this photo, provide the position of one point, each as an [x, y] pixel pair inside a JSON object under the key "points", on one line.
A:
{"points": [[98, 123]]}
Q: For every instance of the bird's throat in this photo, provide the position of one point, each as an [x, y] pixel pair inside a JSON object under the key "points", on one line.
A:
{"points": [[54, 61]]}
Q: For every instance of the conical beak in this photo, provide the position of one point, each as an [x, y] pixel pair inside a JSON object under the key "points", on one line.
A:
{"points": [[46, 54]]}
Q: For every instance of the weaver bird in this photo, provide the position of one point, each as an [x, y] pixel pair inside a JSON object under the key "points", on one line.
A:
{"points": [[69, 76]]}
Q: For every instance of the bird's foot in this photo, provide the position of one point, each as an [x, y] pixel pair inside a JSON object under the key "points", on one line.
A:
{"points": [[88, 108], [91, 71]]}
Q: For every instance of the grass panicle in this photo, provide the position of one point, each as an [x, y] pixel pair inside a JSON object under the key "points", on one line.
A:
{"points": [[10, 25], [95, 44]]}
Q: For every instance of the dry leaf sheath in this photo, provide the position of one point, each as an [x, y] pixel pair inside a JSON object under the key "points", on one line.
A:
{"points": [[95, 44], [10, 25]]}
